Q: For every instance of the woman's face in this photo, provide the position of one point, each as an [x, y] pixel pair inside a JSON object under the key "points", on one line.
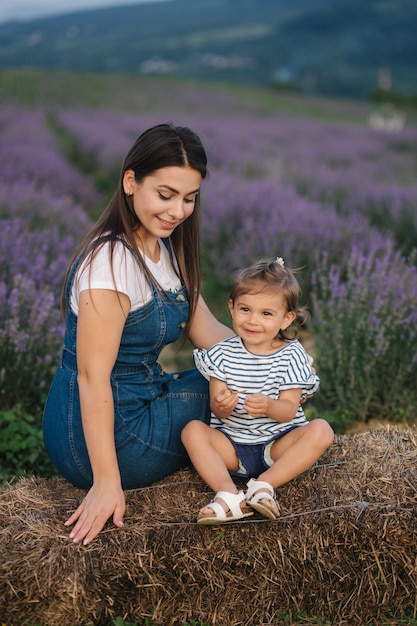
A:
{"points": [[163, 200]]}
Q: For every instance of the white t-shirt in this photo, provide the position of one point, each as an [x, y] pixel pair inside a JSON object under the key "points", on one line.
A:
{"points": [[129, 278]]}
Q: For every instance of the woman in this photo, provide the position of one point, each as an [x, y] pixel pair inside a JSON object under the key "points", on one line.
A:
{"points": [[113, 418]]}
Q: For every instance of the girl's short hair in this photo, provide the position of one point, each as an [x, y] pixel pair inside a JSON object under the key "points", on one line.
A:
{"points": [[271, 275]]}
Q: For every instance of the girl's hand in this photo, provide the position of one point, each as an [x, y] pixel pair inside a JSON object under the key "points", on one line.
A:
{"points": [[256, 404], [226, 400], [100, 503]]}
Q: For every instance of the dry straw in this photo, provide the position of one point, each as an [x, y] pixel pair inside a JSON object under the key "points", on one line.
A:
{"points": [[344, 549]]}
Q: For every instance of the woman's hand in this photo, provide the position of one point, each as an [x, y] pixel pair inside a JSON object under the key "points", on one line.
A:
{"points": [[100, 503]]}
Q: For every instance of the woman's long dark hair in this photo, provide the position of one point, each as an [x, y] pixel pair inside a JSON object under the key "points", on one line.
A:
{"points": [[164, 145]]}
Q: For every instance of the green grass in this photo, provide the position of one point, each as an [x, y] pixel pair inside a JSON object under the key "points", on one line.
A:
{"points": [[131, 93]]}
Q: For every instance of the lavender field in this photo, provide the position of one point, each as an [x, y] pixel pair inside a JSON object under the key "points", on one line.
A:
{"points": [[336, 198]]}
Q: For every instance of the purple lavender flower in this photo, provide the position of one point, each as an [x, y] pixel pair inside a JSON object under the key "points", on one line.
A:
{"points": [[370, 306]]}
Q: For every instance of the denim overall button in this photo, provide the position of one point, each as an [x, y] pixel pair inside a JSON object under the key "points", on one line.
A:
{"points": [[181, 297], [182, 325]]}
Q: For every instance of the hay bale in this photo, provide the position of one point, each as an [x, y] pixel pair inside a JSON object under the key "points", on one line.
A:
{"points": [[343, 548]]}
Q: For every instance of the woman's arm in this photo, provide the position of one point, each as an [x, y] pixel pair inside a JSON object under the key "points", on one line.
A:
{"points": [[205, 329], [101, 318]]}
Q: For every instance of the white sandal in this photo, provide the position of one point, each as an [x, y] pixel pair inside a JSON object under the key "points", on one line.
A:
{"points": [[233, 513], [260, 490]]}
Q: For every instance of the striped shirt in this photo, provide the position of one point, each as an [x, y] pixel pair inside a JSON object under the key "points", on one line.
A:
{"points": [[231, 362]]}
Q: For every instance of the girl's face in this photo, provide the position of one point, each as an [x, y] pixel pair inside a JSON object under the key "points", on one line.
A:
{"points": [[163, 200], [258, 317]]}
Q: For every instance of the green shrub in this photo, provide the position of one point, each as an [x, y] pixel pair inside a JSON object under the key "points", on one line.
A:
{"points": [[21, 446]]}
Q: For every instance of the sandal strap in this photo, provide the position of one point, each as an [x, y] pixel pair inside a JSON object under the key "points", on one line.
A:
{"points": [[232, 501], [264, 489], [217, 509]]}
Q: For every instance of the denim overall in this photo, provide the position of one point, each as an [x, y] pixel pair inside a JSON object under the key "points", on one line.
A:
{"points": [[151, 407]]}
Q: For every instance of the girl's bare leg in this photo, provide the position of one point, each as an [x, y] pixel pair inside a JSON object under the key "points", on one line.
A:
{"points": [[296, 452], [212, 455]]}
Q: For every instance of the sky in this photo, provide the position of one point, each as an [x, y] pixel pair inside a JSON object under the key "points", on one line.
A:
{"points": [[31, 9]]}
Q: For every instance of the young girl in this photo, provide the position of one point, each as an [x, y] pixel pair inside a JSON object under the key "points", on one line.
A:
{"points": [[113, 417], [258, 379]]}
